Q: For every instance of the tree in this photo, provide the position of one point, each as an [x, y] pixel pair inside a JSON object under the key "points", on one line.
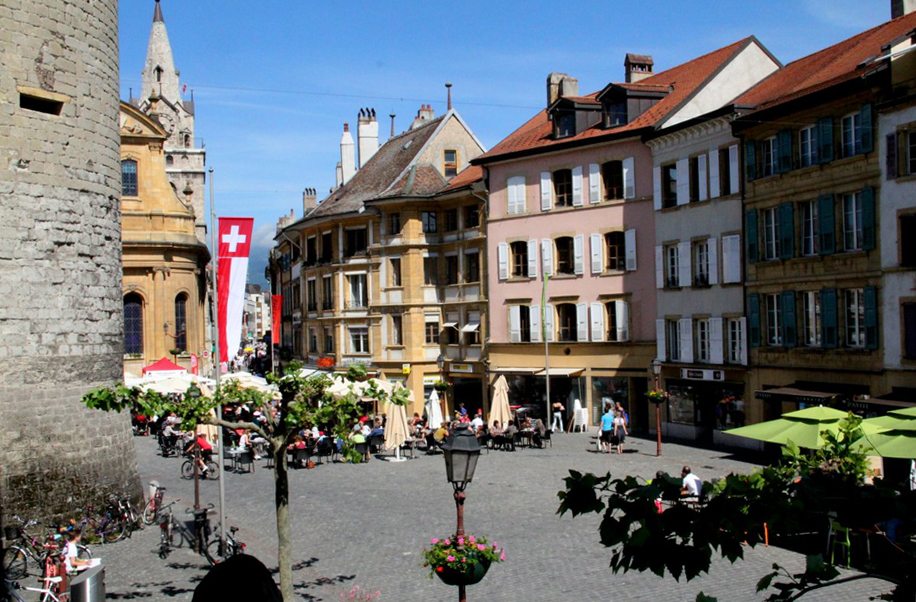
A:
{"points": [[800, 490], [303, 402]]}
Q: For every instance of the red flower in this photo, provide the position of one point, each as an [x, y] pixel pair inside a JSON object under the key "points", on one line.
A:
{"points": [[438, 569]]}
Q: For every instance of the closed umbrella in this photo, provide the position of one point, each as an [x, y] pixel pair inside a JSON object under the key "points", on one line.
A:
{"points": [[499, 409], [803, 427], [397, 430], [433, 411]]}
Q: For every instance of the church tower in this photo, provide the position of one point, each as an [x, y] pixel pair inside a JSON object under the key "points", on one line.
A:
{"points": [[161, 97]]}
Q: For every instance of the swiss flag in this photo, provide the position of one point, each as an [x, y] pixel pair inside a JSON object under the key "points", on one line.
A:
{"points": [[231, 277], [235, 236]]}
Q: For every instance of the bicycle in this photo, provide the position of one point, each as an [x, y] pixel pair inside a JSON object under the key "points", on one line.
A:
{"points": [[169, 528], [25, 547], [47, 594], [153, 507], [217, 552], [212, 472]]}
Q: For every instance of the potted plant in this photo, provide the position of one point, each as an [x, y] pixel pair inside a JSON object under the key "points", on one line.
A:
{"points": [[657, 396], [442, 386], [461, 560]]}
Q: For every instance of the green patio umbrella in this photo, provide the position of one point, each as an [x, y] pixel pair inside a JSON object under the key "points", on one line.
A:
{"points": [[891, 443], [802, 427], [905, 418]]}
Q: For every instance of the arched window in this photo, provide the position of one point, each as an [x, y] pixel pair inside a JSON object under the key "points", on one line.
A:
{"points": [[187, 140], [181, 322], [169, 160], [128, 177], [133, 323], [158, 72]]}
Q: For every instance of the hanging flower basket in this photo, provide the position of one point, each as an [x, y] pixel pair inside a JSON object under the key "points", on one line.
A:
{"points": [[657, 396], [471, 575], [442, 386], [461, 560]]}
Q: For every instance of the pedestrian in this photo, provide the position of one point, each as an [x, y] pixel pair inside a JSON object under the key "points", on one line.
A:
{"points": [[691, 485], [558, 409], [607, 429]]}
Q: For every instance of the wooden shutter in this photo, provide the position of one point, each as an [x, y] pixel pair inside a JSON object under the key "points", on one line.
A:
{"points": [[783, 151], [683, 262], [547, 256], [534, 320], [623, 320], [750, 161], [829, 332], [594, 183], [597, 253], [521, 195], [582, 322], [660, 348], [753, 319], [577, 187], [868, 218], [787, 319], [701, 174], [579, 254], [786, 231], [743, 340], [548, 323], [731, 259], [866, 130], [511, 197], [714, 189], [713, 254], [659, 266], [629, 178], [657, 187], [597, 321], [629, 238], [890, 161], [734, 177], [683, 182], [533, 258], [685, 336], [716, 342], [515, 324], [825, 225], [871, 317], [502, 254], [546, 192], [825, 140], [750, 230]]}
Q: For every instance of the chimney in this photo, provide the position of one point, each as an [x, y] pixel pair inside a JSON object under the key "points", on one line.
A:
{"points": [[569, 86], [309, 200], [347, 155], [448, 86], [367, 135], [637, 67], [338, 177], [902, 7], [425, 114], [553, 86]]}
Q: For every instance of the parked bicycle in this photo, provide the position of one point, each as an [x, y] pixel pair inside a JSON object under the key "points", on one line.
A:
{"points": [[108, 526], [174, 534], [153, 507], [48, 593], [25, 553], [219, 552]]}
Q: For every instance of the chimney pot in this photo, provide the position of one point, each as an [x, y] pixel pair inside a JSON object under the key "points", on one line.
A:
{"points": [[346, 127]]}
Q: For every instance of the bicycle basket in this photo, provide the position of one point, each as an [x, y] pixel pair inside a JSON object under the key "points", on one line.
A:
{"points": [[10, 532]]}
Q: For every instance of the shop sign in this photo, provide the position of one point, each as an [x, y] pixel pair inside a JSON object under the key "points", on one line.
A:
{"points": [[461, 368], [431, 380], [349, 361], [696, 374], [325, 362], [405, 368]]}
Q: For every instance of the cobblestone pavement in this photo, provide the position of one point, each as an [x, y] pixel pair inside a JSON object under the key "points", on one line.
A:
{"points": [[366, 525]]}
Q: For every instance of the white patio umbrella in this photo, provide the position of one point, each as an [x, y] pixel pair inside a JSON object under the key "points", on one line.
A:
{"points": [[499, 410], [433, 411], [397, 430]]}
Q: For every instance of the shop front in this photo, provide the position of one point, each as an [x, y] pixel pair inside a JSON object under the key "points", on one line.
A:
{"points": [[702, 402]]}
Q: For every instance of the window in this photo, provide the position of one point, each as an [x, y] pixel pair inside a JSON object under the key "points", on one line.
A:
{"points": [[133, 323], [471, 330], [807, 147], [394, 223], [519, 259], [432, 332], [297, 294], [909, 330], [673, 340], [311, 251], [616, 112], [907, 238], [328, 340], [726, 186], [451, 220], [472, 267], [515, 188], [356, 242], [735, 341], [524, 323], [327, 293], [701, 263], [612, 174], [672, 267], [615, 251], [565, 124], [565, 255], [566, 318], [327, 255], [169, 160], [774, 312], [472, 216], [850, 127], [313, 340], [701, 349], [359, 298], [694, 167], [855, 318], [769, 156], [562, 188], [809, 228], [770, 234], [615, 322], [430, 270], [811, 318], [181, 322], [451, 269], [429, 222], [669, 185], [450, 328], [450, 163], [311, 295], [359, 339], [397, 330], [395, 263], [129, 177], [852, 221], [911, 152]]}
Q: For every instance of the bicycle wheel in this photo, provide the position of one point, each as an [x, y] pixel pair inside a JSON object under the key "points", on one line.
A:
{"points": [[187, 470], [151, 512], [211, 552], [82, 552], [113, 530], [212, 470], [15, 563]]}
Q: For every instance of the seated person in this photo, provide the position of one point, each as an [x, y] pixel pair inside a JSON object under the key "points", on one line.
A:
{"points": [[692, 486], [496, 429], [477, 422], [441, 433], [377, 430]]}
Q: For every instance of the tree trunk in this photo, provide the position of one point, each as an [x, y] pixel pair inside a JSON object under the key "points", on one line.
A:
{"points": [[284, 541]]}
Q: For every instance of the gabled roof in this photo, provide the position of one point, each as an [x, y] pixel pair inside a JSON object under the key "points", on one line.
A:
{"points": [[537, 134], [837, 64], [469, 175]]}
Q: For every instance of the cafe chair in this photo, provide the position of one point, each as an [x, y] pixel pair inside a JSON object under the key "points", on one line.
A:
{"points": [[246, 458], [839, 536]]}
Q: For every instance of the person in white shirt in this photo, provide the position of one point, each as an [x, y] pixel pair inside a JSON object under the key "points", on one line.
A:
{"points": [[692, 486], [71, 553], [477, 422]]}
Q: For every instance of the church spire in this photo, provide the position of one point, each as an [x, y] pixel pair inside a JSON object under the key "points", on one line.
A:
{"points": [[159, 74], [157, 16]]}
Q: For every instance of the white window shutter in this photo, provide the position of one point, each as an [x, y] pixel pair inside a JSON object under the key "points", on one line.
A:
{"points": [[533, 259], [597, 253], [657, 187], [546, 192], [594, 183], [731, 259], [579, 254], [659, 266], [548, 323], [683, 182], [515, 324], [547, 256], [713, 255], [623, 320], [685, 336], [382, 229], [577, 186], [502, 254], [629, 178], [597, 319], [512, 197], [683, 262], [660, 349], [716, 347], [582, 322], [733, 172], [714, 187], [743, 338], [534, 319], [629, 238], [701, 171]]}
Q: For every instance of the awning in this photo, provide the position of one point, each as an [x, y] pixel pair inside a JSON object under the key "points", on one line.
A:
{"points": [[792, 394], [450, 325], [562, 372], [516, 370], [471, 327]]}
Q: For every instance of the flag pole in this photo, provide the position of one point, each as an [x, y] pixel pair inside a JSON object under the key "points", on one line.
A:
{"points": [[214, 245], [546, 344]]}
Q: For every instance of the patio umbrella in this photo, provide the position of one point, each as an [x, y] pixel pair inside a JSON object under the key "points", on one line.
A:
{"points": [[803, 428], [890, 443], [905, 418], [433, 411], [396, 430], [499, 408]]}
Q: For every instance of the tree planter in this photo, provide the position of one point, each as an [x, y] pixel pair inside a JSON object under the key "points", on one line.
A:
{"points": [[474, 574]]}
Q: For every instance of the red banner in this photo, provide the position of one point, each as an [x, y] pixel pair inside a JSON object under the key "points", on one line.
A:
{"points": [[234, 244], [276, 312], [195, 364], [325, 362]]}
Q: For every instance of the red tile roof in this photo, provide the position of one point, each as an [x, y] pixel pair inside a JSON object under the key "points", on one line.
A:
{"points": [[469, 175], [834, 65], [537, 134]]}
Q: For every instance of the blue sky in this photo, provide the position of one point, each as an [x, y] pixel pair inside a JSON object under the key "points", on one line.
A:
{"points": [[274, 80]]}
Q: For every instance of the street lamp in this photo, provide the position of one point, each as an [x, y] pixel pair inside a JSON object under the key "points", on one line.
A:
{"points": [[656, 370], [461, 451], [440, 362], [193, 394]]}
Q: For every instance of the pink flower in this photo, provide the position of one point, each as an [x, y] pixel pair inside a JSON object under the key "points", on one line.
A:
{"points": [[502, 556], [447, 542], [434, 541], [450, 558], [481, 547], [464, 560], [471, 539], [460, 541]]}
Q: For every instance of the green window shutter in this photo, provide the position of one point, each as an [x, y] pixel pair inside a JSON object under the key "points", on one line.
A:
{"points": [[825, 140], [868, 218], [828, 318], [788, 319], [786, 231], [866, 130], [750, 235], [750, 161], [753, 319], [871, 317], [826, 224], [784, 151]]}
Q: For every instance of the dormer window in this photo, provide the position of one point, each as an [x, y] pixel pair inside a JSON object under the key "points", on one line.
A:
{"points": [[450, 163], [615, 113], [565, 124]]}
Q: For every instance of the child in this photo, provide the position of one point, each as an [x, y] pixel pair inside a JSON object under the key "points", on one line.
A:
{"points": [[71, 558]]}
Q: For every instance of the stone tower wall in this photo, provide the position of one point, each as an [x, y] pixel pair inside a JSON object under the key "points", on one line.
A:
{"points": [[60, 257]]}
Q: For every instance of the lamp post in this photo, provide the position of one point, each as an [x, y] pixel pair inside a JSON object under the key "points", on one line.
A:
{"points": [[440, 362], [656, 370], [461, 452], [193, 393]]}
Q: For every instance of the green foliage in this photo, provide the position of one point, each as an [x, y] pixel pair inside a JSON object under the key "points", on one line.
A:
{"points": [[460, 553], [837, 459]]}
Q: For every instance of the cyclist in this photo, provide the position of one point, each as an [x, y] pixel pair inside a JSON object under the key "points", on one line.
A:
{"points": [[206, 452]]}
